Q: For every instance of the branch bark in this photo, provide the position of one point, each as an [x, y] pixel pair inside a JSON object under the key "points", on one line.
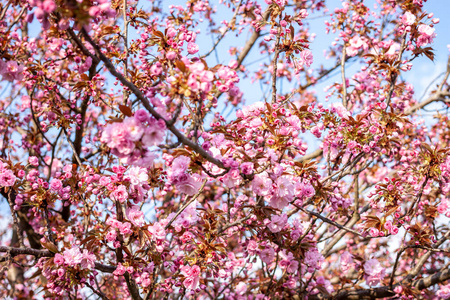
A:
{"points": [[13, 251]]}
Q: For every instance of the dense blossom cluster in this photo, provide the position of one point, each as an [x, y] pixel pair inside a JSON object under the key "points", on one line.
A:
{"points": [[132, 139], [7, 177], [138, 162]]}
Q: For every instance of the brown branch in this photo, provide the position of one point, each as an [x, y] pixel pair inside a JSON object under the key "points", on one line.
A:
{"points": [[238, 222], [11, 196], [46, 253], [232, 22], [395, 75], [252, 40], [439, 96], [311, 155], [75, 40], [326, 220], [383, 292], [344, 81], [338, 236], [275, 67]]}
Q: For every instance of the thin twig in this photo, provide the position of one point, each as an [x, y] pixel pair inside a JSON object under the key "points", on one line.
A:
{"points": [[344, 80]]}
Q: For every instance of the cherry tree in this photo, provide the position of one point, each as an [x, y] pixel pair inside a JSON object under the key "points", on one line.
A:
{"points": [[190, 151]]}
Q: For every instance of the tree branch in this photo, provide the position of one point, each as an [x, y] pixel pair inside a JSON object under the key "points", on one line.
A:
{"points": [[46, 253], [146, 103]]}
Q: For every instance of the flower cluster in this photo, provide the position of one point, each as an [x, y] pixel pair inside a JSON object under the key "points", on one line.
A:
{"points": [[186, 219], [131, 139], [427, 35], [11, 70], [7, 177], [74, 258], [374, 272], [103, 7], [42, 11], [61, 270], [192, 274], [179, 176]]}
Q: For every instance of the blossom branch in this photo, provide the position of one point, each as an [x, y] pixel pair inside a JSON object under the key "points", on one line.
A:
{"points": [[344, 80], [46, 253], [148, 106], [326, 220], [187, 204]]}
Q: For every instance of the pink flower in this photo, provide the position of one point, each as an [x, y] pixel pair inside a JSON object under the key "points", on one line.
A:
{"points": [[352, 144], [267, 255], [63, 24], [305, 190], [120, 194], [306, 58], [277, 223], [374, 272], [156, 69], [252, 247], [72, 256], [59, 259], [278, 202], [284, 190], [346, 261], [442, 208], [187, 218], [192, 48], [33, 160], [56, 184], [7, 178], [171, 55], [125, 228], [190, 271], [136, 216], [232, 178], [192, 276], [111, 235], [426, 30], [191, 283], [11, 71], [356, 43], [188, 184], [180, 165], [408, 18], [262, 184], [313, 259], [134, 129], [120, 270], [241, 288], [154, 133], [288, 262], [141, 115], [171, 32], [157, 231], [88, 260], [427, 35], [48, 6], [374, 232], [137, 175], [444, 292], [247, 168]]}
